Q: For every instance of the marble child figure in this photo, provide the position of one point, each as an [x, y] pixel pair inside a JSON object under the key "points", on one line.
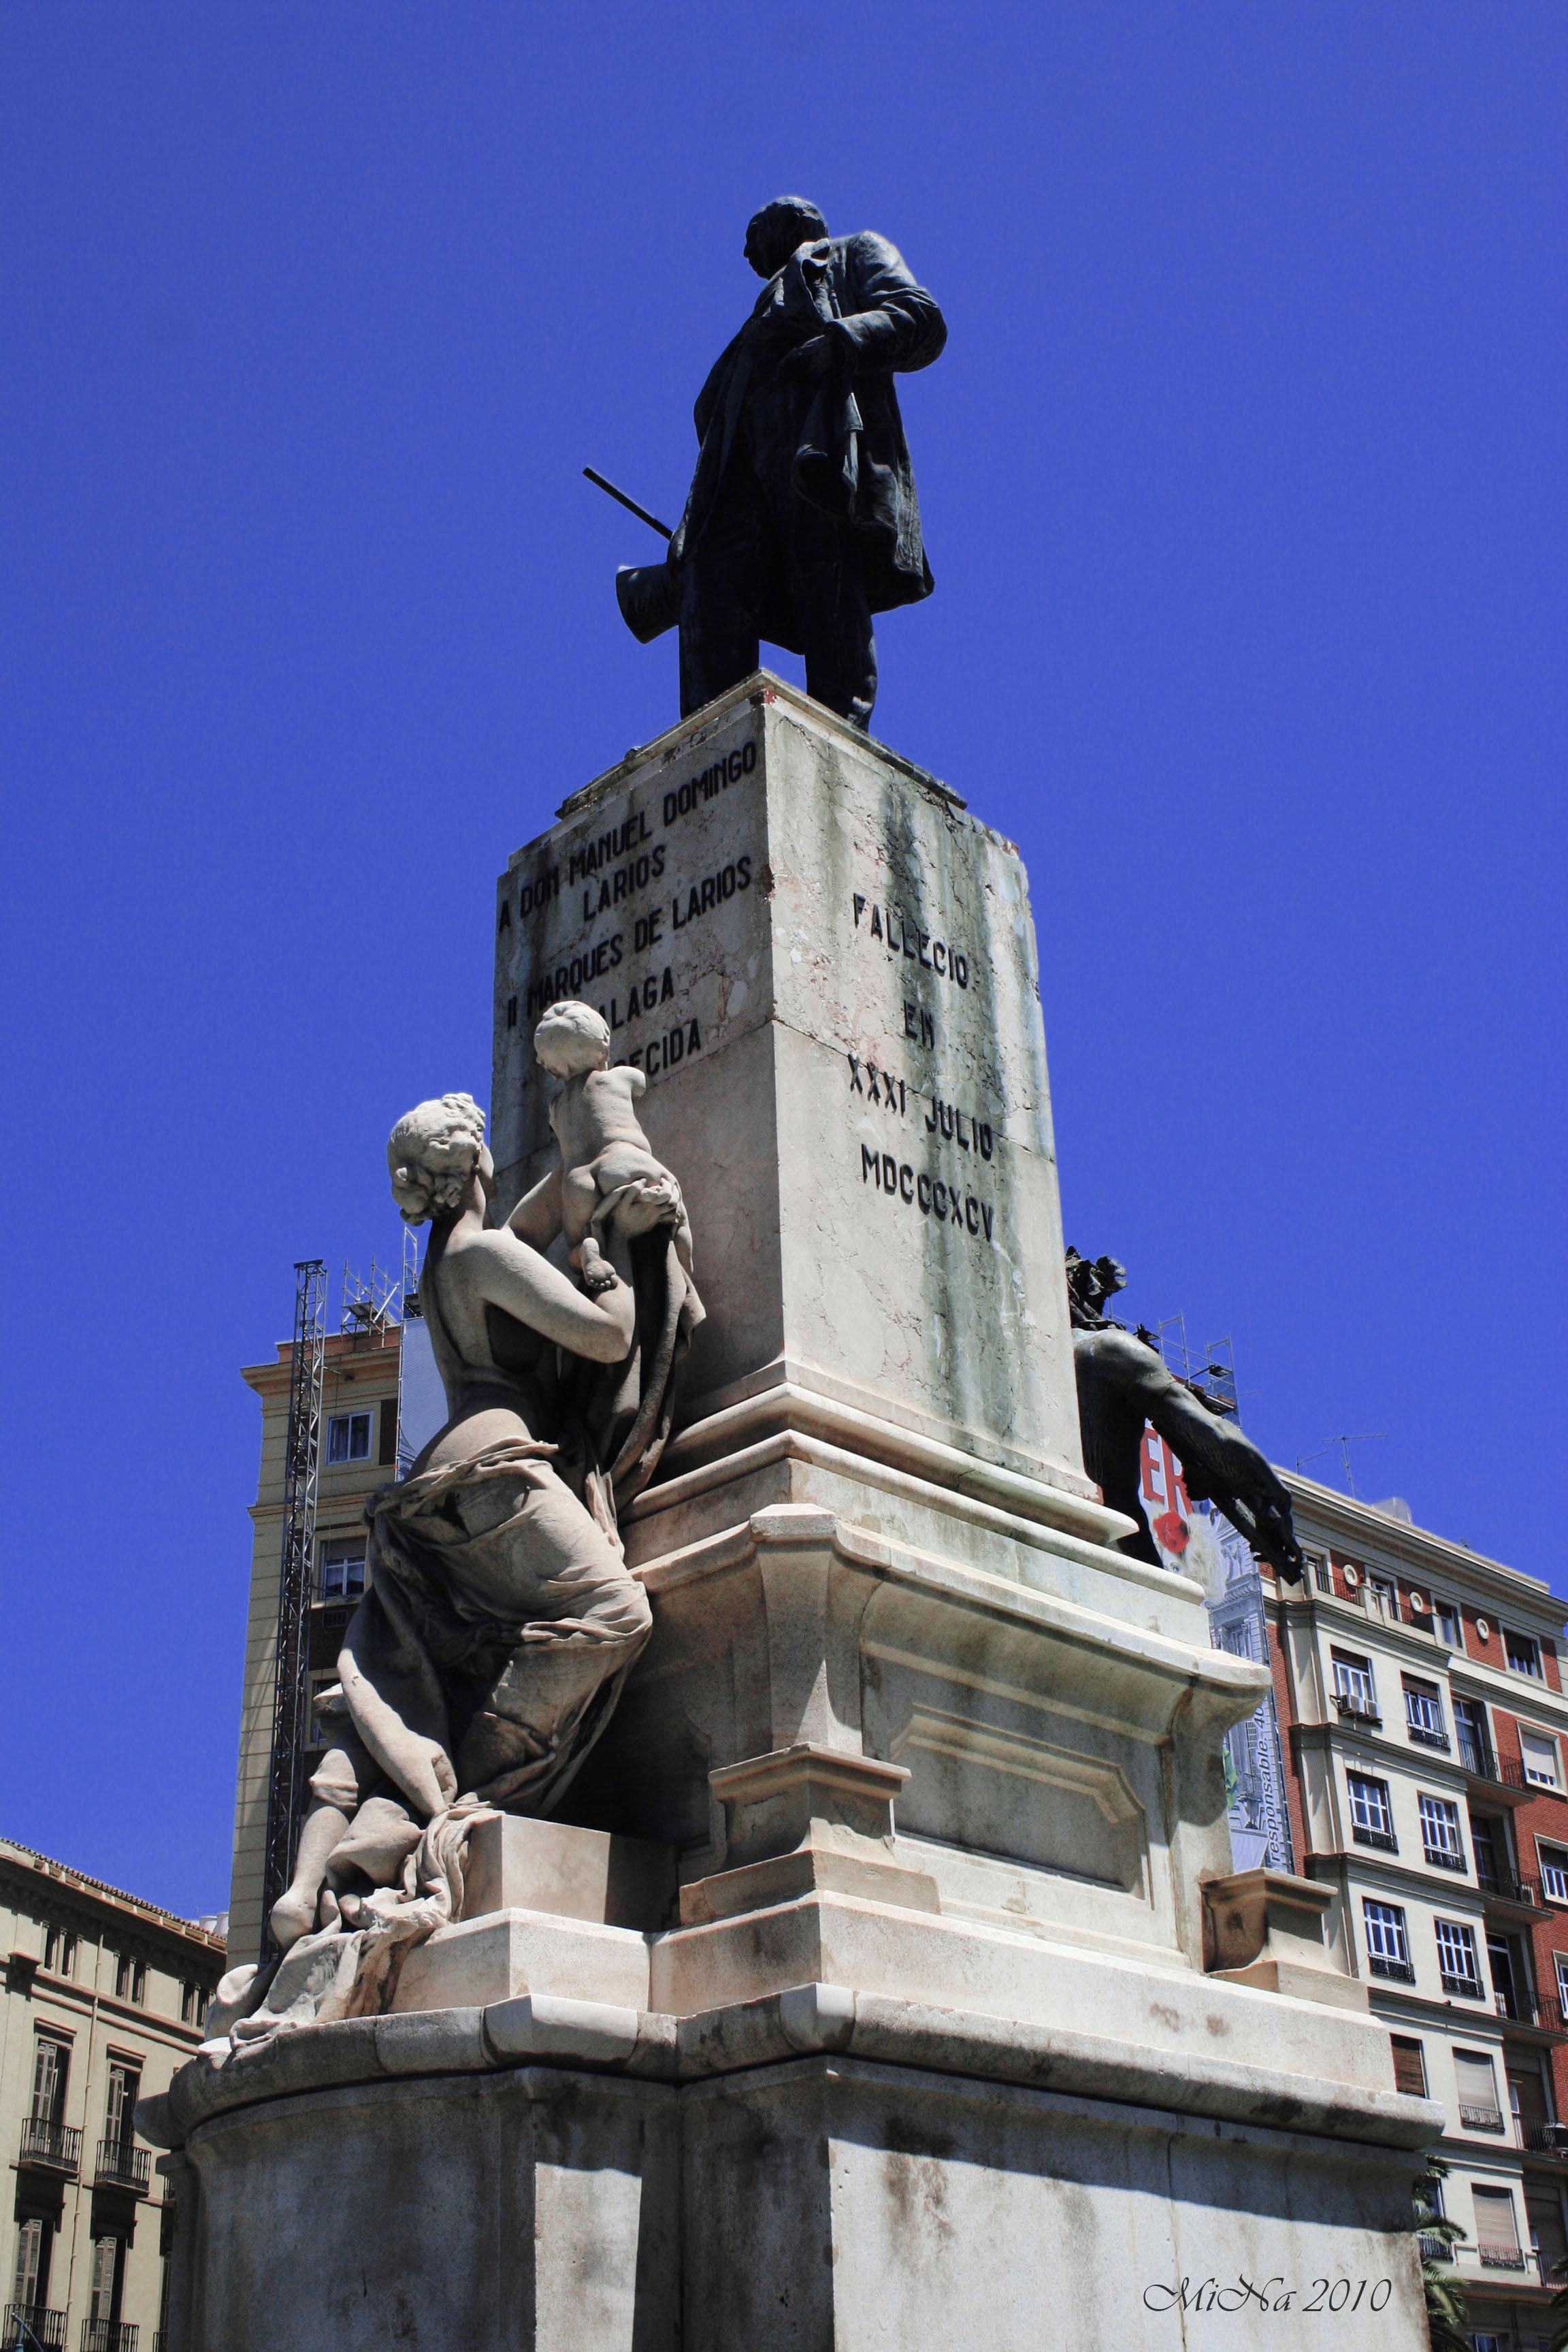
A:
{"points": [[603, 1147]]}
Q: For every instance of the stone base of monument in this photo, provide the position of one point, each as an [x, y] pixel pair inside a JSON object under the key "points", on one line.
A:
{"points": [[961, 2134], [890, 1985]]}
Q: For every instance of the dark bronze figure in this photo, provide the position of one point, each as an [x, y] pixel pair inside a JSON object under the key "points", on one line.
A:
{"points": [[1121, 1383], [802, 519]]}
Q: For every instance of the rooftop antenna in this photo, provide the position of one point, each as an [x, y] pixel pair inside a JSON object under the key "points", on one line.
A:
{"points": [[1344, 1441]]}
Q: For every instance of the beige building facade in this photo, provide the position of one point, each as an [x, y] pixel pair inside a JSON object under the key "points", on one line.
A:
{"points": [[358, 1454], [103, 1999]]}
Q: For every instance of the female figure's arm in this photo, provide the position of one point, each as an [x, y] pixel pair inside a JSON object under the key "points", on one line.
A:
{"points": [[503, 1271]]}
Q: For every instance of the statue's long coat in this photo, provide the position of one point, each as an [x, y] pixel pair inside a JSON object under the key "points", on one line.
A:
{"points": [[844, 448]]}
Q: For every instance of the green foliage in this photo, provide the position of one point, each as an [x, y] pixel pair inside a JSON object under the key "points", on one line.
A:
{"points": [[1447, 2322], [1557, 2309]]}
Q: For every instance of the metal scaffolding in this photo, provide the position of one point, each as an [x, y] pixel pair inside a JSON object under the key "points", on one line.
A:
{"points": [[285, 1783]]}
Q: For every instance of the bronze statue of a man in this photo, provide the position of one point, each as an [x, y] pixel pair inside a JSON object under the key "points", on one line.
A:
{"points": [[1122, 1384], [802, 519]]}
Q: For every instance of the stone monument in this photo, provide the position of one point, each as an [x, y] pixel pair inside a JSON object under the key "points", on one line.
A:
{"points": [[879, 1978]]}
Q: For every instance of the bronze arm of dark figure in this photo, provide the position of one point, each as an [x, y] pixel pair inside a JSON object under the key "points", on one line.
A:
{"points": [[1122, 1384]]}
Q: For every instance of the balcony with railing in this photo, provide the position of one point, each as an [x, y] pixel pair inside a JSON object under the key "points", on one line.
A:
{"points": [[1480, 2119], [1482, 1763], [1433, 2250], [1398, 1971], [29, 2328], [1383, 1841], [1545, 2140], [1503, 2258], [1536, 2009], [53, 2146], [122, 2165], [108, 2336], [1516, 1887]]}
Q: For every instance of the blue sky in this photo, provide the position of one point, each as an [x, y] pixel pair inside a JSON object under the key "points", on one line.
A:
{"points": [[1243, 476]]}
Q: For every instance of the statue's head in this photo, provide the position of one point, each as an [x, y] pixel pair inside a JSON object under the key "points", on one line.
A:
{"points": [[1090, 1283], [432, 1154], [572, 1038], [773, 235]]}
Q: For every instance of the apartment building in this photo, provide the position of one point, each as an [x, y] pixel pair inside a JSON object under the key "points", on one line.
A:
{"points": [[1419, 1693], [103, 1996], [358, 1453]]}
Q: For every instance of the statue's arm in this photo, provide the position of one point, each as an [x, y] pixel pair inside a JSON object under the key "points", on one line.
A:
{"points": [[895, 323], [1219, 1463], [507, 1272], [1212, 1451], [537, 1216]]}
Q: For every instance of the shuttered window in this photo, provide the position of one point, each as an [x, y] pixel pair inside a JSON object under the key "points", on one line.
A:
{"points": [[120, 2112], [1409, 2067], [1476, 2079], [30, 2279], [50, 2061], [1497, 2229]]}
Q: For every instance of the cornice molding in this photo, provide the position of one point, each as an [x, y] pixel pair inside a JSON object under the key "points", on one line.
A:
{"points": [[1367, 1531]]}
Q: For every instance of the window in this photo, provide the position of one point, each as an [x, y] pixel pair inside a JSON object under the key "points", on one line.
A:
{"points": [[1538, 1757], [1476, 2079], [30, 2280], [130, 1979], [119, 2113], [1553, 1871], [342, 1568], [59, 1952], [1387, 1951], [1475, 1743], [51, 2064], [1440, 1832], [348, 1437], [1322, 1576], [1354, 1692], [1383, 1597], [1446, 1623], [1456, 1963], [1523, 1653], [1488, 1844], [190, 1995], [1424, 1714], [1560, 1961], [1497, 2230], [1372, 1816], [108, 2278], [1409, 2066]]}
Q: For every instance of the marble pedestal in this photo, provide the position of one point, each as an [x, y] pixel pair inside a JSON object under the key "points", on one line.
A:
{"points": [[889, 1983]]}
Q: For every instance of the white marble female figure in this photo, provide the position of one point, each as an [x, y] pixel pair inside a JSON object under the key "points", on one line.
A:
{"points": [[499, 1620]]}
